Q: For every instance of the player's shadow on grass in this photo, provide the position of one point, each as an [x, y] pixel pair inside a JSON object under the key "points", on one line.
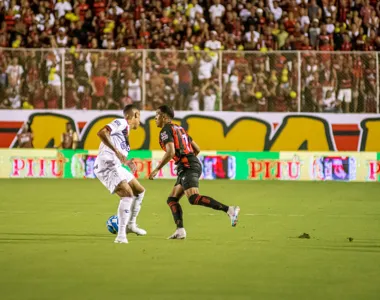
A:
{"points": [[6, 237], [55, 234], [9, 237]]}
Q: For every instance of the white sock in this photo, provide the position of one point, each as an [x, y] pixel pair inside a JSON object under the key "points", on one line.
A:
{"points": [[230, 211], [136, 208], [124, 213]]}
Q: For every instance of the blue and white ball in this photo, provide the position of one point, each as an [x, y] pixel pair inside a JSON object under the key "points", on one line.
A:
{"points": [[113, 224]]}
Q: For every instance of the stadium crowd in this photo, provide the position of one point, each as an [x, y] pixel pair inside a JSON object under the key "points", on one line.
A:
{"points": [[184, 65]]}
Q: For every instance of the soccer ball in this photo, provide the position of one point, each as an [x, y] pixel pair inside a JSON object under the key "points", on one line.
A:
{"points": [[113, 224]]}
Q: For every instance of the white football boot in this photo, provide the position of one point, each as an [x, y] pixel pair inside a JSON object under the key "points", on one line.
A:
{"points": [[179, 234], [135, 229], [233, 213], [121, 240]]}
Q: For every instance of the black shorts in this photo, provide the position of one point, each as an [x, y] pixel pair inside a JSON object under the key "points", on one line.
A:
{"points": [[189, 177]]}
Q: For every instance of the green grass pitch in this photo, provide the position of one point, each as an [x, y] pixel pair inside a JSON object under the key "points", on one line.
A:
{"points": [[54, 243]]}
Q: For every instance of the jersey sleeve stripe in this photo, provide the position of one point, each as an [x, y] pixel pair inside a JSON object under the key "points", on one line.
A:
{"points": [[176, 141], [185, 148]]}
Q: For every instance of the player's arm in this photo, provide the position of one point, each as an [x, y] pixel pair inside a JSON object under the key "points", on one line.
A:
{"points": [[167, 138], [169, 154], [105, 136], [196, 148]]}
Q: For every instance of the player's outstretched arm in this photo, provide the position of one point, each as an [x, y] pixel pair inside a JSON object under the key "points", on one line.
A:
{"points": [[196, 148], [104, 135], [169, 154]]}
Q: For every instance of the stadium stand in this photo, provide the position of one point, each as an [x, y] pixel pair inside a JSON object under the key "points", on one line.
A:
{"points": [[199, 55]]}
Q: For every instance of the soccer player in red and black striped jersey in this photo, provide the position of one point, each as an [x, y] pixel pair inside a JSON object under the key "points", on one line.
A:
{"points": [[180, 147]]}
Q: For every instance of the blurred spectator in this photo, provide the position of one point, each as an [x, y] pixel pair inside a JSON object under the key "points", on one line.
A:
{"points": [[261, 95], [314, 11], [368, 87], [54, 80], [51, 97], [206, 68], [62, 38], [282, 36], [304, 19], [194, 103], [25, 138], [125, 99], [71, 96], [314, 32], [155, 90], [37, 95], [201, 28], [216, 10], [345, 87], [85, 98], [12, 99], [99, 84], [184, 84], [14, 73], [251, 37], [134, 90], [330, 103], [209, 93], [346, 45], [62, 7], [213, 43], [69, 139], [275, 9]]}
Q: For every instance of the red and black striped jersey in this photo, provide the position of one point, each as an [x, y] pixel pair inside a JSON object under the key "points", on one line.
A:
{"points": [[184, 152]]}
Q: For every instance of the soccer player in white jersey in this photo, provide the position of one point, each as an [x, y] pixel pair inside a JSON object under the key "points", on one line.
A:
{"points": [[113, 152]]}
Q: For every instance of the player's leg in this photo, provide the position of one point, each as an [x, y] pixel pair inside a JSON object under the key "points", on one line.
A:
{"points": [[196, 199], [115, 180], [138, 192], [176, 209], [190, 185], [124, 191]]}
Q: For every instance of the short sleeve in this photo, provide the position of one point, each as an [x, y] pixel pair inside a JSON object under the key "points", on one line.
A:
{"points": [[166, 135], [117, 125]]}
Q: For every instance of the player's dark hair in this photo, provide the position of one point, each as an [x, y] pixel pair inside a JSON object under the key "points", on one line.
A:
{"points": [[166, 109], [129, 107]]}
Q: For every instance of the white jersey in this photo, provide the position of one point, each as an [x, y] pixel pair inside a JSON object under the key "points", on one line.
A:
{"points": [[194, 102], [134, 90], [234, 80], [209, 102], [119, 136], [330, 102], [205, 69]]}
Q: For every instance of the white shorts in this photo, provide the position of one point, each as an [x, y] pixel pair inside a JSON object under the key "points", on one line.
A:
{"points": [[345, 95], [135, 95], [194, 105], [235, 91], [110, 173]]}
